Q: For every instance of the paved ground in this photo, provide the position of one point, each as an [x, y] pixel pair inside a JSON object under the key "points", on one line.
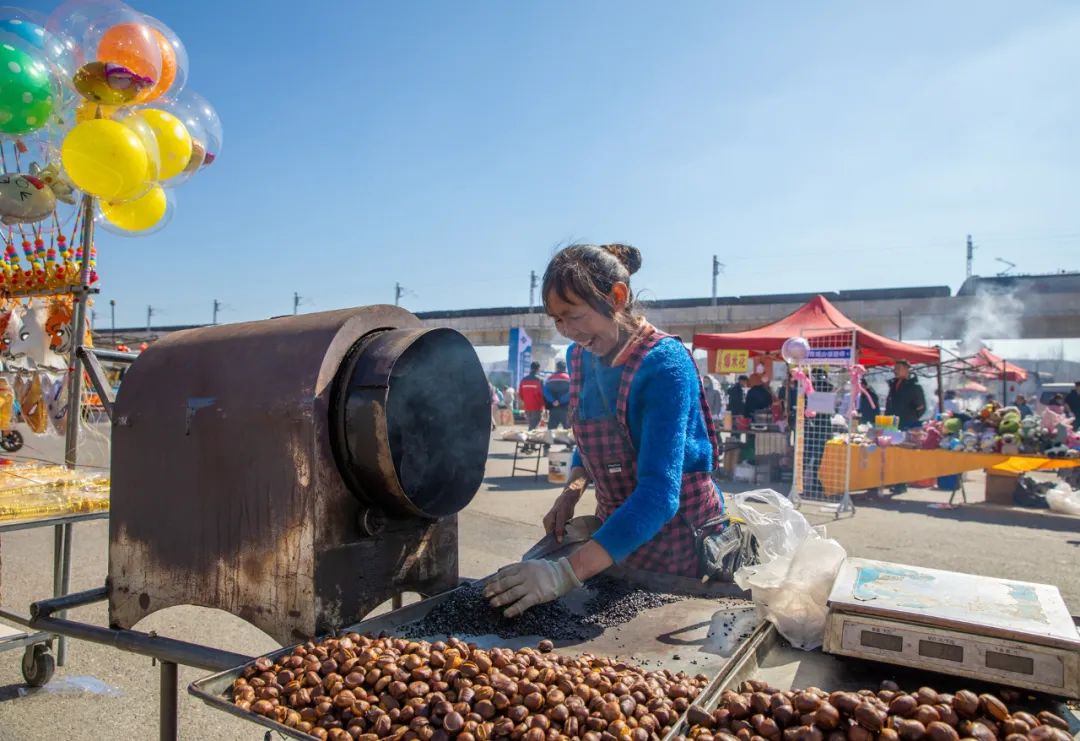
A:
{"points": [[105, 694]]}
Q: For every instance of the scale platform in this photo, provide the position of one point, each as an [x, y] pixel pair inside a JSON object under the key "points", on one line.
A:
{"points": [[995, 630]]}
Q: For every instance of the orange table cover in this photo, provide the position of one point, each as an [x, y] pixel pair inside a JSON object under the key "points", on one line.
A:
{"points": [[877, 467]]}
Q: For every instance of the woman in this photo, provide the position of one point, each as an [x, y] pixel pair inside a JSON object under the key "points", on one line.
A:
{"points": [[1022, 405], [644, 435]]}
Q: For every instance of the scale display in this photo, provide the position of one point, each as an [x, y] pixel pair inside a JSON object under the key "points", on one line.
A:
{"points": [[1000, 630]]}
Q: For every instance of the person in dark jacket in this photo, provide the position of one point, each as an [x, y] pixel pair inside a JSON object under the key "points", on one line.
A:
{"points": [[816, 432], [1072, 401], [758, 399], [868, 407], [906, 402], [737, 397], [906, 399], [557, 397]]}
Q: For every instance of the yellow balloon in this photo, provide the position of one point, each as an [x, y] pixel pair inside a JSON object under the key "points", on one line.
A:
{"points": [[174, 141], [140, 214], [105, 159], [88, 111]]}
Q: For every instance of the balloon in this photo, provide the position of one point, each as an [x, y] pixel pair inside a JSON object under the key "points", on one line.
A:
{"points": [[204, 126], [795, 350], [174, 60], [31, 33], [138, 215], [134, 46], [173, 139], [141, 127], [111, 84], [105, 158], [26, 91]]}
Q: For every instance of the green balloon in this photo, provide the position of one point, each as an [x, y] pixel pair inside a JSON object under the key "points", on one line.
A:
{"points": [[26, 92]]}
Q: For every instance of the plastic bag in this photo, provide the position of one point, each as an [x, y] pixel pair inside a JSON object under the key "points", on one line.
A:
{"points": [[1064, 499], [791, 584]]}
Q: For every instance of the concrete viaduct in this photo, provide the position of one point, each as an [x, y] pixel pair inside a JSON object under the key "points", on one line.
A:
{"points": [[1010, 307]]}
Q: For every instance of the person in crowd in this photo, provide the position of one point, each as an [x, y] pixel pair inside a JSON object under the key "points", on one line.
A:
{"points": [[869, 405], [531, 395], [557, 397], [792, 401], [1022, 405], [758, 398], [509, 398], [644, 435], [493, 395], [713, 397], [778, 405], [951, 404], [737, 397], [1072, 401], [1057, 404], [906, 402]]}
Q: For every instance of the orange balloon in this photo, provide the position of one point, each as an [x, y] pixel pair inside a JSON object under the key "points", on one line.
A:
{"points": [[134, 46], [168, 66]]}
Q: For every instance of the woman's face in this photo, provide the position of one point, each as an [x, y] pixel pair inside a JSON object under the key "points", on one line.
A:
{"points": [[581, 323]]}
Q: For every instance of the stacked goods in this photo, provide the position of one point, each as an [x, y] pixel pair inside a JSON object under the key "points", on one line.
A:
{"points": [[361, 687], [759, 712]]}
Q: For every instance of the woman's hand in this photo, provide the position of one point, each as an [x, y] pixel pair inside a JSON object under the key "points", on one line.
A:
{"points": [[563, 509]]}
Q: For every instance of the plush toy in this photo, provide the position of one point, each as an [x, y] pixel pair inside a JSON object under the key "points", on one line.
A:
{"points": [[987, 441], [1010, 424], [1010, 444], [970, 441], [952, 426]]}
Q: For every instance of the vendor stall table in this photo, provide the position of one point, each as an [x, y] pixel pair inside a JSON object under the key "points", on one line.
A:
{"points": [[38, 663], [875, 467]]}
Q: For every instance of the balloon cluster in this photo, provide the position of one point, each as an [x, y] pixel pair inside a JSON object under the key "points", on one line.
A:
{"points": [[92, 103]]}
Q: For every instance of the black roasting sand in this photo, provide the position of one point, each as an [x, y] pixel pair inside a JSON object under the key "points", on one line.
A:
{"points": [[468, 613]]}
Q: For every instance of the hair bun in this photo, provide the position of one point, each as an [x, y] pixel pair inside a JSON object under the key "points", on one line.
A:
{"points": [[629, 256]]}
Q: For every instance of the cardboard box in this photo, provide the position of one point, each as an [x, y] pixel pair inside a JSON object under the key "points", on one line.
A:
{"points": [[1000, 487]]}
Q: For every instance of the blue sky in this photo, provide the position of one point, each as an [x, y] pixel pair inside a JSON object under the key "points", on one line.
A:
{"points": [[452, 146]]}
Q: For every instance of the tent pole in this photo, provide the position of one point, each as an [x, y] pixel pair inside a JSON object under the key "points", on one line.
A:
{"points": [[940, 390], [1004, 385]]}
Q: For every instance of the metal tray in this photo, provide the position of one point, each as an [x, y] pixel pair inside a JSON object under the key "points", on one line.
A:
{"points": [[675, 636], [767, 656]]}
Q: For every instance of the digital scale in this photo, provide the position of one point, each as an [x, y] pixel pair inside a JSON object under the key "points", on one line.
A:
{"points": [[995, 630]]}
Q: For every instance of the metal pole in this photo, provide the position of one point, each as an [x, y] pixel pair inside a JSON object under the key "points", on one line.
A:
{"points": [[149, 315], [217, 305], [899, 324], [1004, 385], [65, 585], [74, 417], [112, 311], [532, 290], [295, 302], [167, 706], [940, 390], [715, 272]]}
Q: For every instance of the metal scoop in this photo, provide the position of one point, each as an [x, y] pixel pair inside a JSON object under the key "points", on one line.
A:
{"points": [[578, 530]]}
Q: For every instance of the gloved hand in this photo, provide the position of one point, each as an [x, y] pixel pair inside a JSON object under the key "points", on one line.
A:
{"points": [[523, 585]]}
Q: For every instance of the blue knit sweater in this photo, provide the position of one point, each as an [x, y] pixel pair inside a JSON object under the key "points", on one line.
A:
{"points": [[668, 430]]}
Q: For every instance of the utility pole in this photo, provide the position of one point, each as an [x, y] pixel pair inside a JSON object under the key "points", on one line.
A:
{"points": [[93, 319], [398, 291], [112, 310], [217, 308], [717, 268], [295, 303], [532, 290], [149, 316], [970, 254]]}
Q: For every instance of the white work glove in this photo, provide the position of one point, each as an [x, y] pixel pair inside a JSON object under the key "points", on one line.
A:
{"points": [[523, 585]]}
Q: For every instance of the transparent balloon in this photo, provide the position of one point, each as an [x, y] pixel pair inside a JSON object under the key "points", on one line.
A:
{"points": [[174, 61], [141, 217], [795, 350], [145, 132], [204, 127], [121, 58]]}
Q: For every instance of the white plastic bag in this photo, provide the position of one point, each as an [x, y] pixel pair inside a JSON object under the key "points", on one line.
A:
{"points": [[1063, 498], [791, 584]]}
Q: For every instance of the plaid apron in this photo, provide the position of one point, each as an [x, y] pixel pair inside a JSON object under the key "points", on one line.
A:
{"points": [[608, 453]]}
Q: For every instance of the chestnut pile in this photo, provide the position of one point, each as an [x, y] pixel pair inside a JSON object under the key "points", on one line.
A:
{"points": [[361, 687], [762, 713]]}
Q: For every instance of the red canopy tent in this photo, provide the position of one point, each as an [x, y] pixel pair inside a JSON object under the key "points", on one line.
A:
{"points": [[815, 320], [988, 365]]}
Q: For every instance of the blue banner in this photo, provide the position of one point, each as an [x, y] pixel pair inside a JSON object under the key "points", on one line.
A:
{"points": [[520, 355]]}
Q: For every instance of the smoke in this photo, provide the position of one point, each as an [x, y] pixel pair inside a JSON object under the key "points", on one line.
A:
{"points": [[992, 314]]}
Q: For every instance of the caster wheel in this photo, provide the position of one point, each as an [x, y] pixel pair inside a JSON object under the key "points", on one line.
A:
{"points": [[38, 665], [11, 441]]}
